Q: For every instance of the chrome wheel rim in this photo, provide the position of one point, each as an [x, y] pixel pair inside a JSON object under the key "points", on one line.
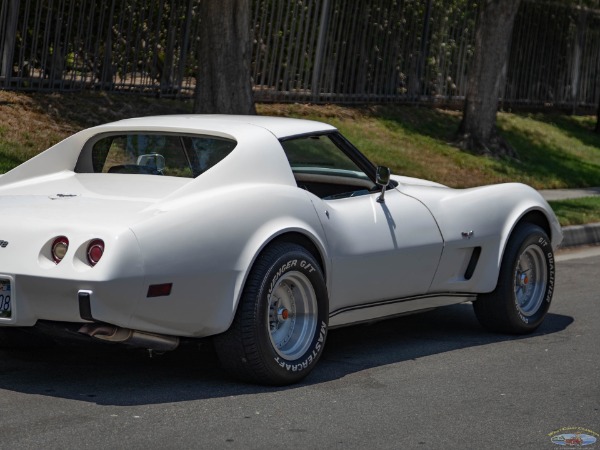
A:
{"points": [[292, 315], [531, 278]]}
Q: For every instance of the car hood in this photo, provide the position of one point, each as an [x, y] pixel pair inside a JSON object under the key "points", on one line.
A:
{"points": [[76, 200]]}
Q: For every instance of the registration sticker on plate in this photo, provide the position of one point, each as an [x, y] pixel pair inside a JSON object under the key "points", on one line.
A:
{"points": [[5, 299]]}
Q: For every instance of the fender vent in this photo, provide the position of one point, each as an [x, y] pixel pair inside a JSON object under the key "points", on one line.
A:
{"points": [[472, 263]]}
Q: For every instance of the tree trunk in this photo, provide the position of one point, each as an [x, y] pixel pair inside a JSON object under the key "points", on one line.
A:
{"points": [[576, 58], [477, 130], [8, 40], [224, 83]]}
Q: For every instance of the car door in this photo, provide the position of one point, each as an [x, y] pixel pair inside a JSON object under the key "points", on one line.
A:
{"points": [[380, 251]]}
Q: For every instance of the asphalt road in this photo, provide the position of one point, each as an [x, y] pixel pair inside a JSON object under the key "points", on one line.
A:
{"points": [[429, 381]]}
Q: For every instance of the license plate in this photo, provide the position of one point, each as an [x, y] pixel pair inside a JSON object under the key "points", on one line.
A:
{"points": [[5, 299]]}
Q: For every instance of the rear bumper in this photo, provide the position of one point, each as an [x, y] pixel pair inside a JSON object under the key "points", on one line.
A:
{"points": [[197, 307], [59, 300]]}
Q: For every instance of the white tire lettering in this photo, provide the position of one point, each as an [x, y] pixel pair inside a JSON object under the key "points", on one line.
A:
{"points": [[311, 356]]}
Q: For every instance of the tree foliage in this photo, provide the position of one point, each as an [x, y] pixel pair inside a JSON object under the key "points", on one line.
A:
{"points": [[315, 50]]}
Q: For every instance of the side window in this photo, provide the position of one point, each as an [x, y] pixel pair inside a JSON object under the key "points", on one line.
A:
{"points": [[154, 154], [207, 151], [320, 152], [321, 167]]}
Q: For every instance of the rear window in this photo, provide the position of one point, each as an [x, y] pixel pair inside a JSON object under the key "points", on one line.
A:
{"points": [[153, 154]]}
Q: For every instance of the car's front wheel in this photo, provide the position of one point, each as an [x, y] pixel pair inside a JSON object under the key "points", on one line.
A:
{"points": [[280, 327], [522, 297]]}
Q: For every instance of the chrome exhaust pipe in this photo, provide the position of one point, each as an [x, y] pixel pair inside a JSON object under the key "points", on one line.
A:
{"points": [[112, 333]]}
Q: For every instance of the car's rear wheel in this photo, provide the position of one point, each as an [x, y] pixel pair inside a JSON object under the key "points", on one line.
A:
{"points": [[522, 297], [280, 327]]}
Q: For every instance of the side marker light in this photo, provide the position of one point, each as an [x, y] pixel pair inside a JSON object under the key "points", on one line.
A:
{"points": [[159, 290]]}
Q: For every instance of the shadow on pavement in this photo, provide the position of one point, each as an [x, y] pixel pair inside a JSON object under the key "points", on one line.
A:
{"points": [[114, 375]]}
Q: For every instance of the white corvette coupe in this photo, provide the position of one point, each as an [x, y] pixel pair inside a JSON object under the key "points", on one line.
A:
{"points": [[261, 232]]}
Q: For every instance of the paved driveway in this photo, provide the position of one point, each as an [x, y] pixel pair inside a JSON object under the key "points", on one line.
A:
{"points": [[431, 381]]}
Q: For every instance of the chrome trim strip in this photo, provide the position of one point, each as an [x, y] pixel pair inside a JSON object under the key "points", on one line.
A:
{"points": [[393, 307]]}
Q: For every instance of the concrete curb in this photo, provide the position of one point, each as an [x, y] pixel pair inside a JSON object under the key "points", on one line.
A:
{"points": [[578, 235], [565, 194]]}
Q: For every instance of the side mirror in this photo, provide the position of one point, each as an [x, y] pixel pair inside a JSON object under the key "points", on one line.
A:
{"points": [[382, 178]]}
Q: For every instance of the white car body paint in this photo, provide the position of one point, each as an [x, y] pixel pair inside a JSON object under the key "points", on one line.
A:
{"points": [[203, 234]]}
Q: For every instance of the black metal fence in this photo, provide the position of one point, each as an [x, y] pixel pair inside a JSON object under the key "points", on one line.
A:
{"points": [[120, 45], [342, 51]]}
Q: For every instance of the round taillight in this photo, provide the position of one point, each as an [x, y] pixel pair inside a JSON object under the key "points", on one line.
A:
{"points": [[59, 248], [95, 251]]}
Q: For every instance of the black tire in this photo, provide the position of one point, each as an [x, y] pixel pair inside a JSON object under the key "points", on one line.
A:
{"points": [[269, 342], [525, 286]]}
